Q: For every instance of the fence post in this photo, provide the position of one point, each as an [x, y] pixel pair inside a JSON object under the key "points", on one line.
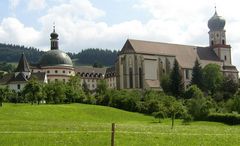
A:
{"points": [[113, 133]]}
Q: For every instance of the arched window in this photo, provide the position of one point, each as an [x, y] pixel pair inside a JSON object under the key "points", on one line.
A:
{"points": [[130, 77], [140, 78]]}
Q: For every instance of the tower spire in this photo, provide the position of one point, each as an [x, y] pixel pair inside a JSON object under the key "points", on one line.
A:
{"points": [[54, 39]]}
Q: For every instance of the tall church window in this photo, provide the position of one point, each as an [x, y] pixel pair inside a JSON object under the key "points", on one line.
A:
{"points": [[130, 77], [187, 73], [140, 78]]}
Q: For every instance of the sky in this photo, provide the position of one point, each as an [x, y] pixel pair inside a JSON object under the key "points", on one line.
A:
{"points": [[108, 24]]}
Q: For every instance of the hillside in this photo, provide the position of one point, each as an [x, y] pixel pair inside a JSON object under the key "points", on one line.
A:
{"points": [[80, 124], [12, 53]]}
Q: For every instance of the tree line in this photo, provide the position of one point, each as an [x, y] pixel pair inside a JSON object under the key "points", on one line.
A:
{"points": [[91, 56]]}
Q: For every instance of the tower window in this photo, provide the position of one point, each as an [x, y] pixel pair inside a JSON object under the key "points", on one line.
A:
{"points": [[223, 42], [211, 42], [225, 57]]}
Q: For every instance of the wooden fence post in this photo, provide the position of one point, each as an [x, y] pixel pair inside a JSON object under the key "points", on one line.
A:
{"points": [[113, 133]]}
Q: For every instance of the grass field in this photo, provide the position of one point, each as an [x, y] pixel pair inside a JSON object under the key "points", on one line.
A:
{"points": [[90, 125]]}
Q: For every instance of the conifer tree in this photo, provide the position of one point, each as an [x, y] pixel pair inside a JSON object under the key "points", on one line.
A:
{"points": [[197, 75], [177, 86]]}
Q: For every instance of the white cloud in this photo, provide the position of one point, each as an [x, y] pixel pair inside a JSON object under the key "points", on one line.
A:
{"points": [[13, 31], [13, 3], [36, 4], [79, 26]]}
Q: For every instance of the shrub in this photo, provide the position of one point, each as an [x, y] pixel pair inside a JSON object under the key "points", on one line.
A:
{"points": [[193, 92], [231, 119], [199, 108], [187, 118]]}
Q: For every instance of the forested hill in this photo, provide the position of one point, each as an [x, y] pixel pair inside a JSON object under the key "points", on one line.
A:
{"points": [[12, 53], [96, 56]]}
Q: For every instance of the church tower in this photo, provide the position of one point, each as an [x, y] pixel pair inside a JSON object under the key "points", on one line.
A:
{"points": [[217, 38]]}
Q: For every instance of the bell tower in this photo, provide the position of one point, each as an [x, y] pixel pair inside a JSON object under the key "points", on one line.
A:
{"points": [[54, 39], [217, 38]]}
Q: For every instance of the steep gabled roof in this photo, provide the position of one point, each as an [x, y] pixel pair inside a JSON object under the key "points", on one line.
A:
{"points": [[206, 53], [185, 54], [23, 64], [19, 78]]}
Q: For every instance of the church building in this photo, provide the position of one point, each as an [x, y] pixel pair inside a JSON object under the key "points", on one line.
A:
{"points": [[55, 63], [142, 64]]}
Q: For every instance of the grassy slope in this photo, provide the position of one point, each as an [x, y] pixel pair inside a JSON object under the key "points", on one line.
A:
{"points": [[79, 124]]}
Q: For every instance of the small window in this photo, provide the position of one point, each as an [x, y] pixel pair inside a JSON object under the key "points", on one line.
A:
{"points": [[225, 57], [19, 86], [211, 42], [48, 71], [56, 71], [223, 42], [64, 71]]}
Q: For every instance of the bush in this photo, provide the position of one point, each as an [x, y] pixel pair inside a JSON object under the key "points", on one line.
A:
{"points": [[231, 119], [193, 92], [199, 108], [187, 118]]}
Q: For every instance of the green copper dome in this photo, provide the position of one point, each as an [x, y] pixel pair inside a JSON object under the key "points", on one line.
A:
{"points": [[55, 58]]}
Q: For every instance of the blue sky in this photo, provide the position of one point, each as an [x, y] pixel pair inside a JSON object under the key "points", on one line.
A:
{"points": [[108, 23]]}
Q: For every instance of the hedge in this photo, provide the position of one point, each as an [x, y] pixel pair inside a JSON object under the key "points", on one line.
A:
{"points": [[230, 119]]}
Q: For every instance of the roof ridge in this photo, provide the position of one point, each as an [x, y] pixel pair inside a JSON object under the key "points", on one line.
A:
{"points": [[168, 43]]}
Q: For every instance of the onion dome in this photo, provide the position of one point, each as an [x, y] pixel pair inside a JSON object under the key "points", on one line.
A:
{"points": [[216, 23], [54, 35]]}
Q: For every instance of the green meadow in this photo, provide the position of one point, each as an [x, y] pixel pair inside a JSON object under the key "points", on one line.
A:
{"points": [[90, 125]]}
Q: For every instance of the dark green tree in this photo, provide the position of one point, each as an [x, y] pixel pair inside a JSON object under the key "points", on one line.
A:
{"points": [[33, 91], [165, 84], [212, 78], [4, 92], [101, 87], [74, 92], [229, 87], [176, 81], [197, 75]]}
